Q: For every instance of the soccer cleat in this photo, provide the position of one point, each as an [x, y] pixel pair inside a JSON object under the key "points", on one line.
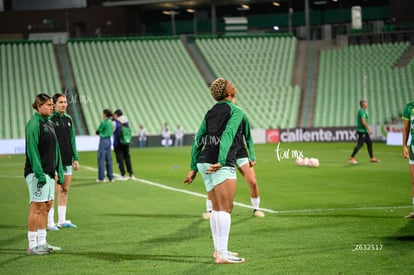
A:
{"points": [[111, 180], [52, 228], [132, 177], [39, 250], [52, 247], [410, 216], [229, 260], [67, 224], [352, 161], [206, 215], [232, 254], [373, 160], [258, 213], [122, 178]]}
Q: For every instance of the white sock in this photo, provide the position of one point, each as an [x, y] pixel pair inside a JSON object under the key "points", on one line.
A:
{"points": [[255, 202], [214, 227], [61, 214], [209, 205], [224, 222], [32, 237], [41, 236], [51, 217]]}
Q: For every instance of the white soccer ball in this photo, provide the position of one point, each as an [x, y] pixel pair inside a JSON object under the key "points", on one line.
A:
{"points": [[313, 162], [299, 161]]}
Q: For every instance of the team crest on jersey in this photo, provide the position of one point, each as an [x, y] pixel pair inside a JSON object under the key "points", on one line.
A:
{"points": [[38, 192]]}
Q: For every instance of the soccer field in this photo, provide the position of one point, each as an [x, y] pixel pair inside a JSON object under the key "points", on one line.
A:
{"points": [[335, 219]]}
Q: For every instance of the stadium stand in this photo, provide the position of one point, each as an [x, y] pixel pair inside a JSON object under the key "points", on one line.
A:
{"points": [[261, 67], [27, 69], [352, 73], [152, 80]]}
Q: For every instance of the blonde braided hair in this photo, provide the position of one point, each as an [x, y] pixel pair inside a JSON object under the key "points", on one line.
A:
{"points": [[218, 89]]}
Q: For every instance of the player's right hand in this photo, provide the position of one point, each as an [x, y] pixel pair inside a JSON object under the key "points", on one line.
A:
{"points": [[190, 177]]}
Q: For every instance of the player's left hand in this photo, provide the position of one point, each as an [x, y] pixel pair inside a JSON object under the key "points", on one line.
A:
{"points": [[252, 163], [213, 168], [405, 152]]}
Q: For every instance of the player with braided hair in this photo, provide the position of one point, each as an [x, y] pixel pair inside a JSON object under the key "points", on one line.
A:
{"points": [[213, 154], [245, 160]]}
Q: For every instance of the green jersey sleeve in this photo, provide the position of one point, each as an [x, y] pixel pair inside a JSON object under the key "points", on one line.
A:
{"points": [[197, 145], [229, 133], [248, 137], [408, 114], [73, 141], [59, 165], [32, 142]]}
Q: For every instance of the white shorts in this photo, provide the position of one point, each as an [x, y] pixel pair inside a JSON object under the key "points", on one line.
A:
{"points": [[211, 180], [242, 161], [67, 170], [43, 194]]}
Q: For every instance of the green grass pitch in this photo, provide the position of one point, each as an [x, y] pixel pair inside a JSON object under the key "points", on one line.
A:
{"points": [[334, 219]]}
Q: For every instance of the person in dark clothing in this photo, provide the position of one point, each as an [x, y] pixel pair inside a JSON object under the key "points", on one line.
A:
{"points": [[43, 163], [213, 153], [65, 132], [122, 150]]}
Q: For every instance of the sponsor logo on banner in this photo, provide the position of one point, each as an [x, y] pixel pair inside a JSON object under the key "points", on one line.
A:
{"points": [[327, 134], [272, 136]]}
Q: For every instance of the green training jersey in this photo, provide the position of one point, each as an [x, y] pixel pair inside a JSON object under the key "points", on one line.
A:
{"points": [[219, 136], [362, 113], [242, 152], [408, 114], [65, 133], [105, 129], [42, 149]]}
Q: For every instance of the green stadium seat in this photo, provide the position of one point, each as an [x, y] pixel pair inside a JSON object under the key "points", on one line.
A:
{"points": [[251, 62], [341, 83], [27, 69]]}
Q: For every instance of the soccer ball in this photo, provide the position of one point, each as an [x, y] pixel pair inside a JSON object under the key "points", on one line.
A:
{"points": [[313, 162], [299, 161]]}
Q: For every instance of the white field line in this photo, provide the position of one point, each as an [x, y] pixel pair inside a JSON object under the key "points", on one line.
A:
{"points": [[264, 209]]}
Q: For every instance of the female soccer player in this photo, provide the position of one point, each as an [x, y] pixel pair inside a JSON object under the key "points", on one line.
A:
{"points": [[65, 132], [408, 150], [213, 154], [42, 162], [245, 162]]}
